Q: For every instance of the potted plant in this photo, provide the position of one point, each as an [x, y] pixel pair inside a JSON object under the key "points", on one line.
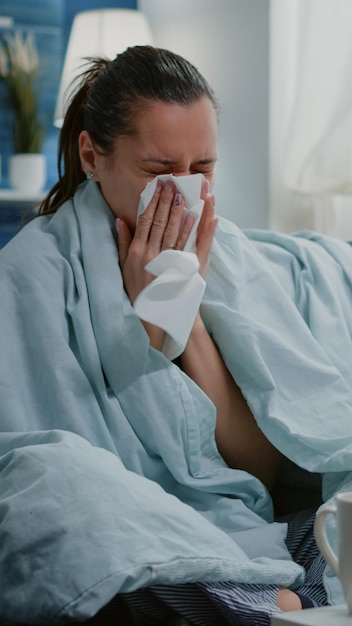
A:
{"points": [[19, 71]]}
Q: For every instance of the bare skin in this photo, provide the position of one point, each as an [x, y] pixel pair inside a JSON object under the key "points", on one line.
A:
{"points": [[239, 440], [181, 140]]}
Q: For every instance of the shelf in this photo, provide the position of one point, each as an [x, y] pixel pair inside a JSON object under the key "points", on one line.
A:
{"points": [[16, 195]]}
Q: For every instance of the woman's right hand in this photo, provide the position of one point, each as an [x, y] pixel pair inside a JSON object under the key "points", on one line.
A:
{"points": [[157, 229]]}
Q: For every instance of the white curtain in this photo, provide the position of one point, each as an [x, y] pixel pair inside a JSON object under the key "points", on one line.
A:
{"points": [[311, 116]]}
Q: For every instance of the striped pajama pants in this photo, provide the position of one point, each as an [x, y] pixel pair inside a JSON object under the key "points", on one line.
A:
{"points": [[220, 604]]}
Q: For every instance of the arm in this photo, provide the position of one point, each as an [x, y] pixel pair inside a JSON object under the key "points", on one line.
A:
{"points": [[239, 439]]}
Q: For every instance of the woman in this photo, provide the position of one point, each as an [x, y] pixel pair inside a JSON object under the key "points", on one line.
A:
{"points": [[138, 137], [145, 114]]}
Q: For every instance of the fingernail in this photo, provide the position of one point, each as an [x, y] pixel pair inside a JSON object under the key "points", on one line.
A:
{"points": [[117, 225], [206, 186], [159, 186], [169, 185], [178, 199], [190, 218]]}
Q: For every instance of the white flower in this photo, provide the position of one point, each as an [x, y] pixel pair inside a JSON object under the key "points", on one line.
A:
{"points": [[33, 58], [22, 53], [4, 66], [19, 70]]}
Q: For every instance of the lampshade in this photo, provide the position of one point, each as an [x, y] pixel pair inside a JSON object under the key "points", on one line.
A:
{"points": [[100, 32]]}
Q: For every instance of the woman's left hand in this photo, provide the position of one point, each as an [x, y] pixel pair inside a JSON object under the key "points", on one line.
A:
{"points": [[157, 229]]}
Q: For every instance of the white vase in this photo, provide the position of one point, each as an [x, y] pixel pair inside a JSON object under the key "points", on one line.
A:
{"points": [[27, 172]]}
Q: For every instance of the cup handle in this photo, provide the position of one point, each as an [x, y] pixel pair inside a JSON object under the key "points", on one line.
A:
{"points": [[322, 539]]}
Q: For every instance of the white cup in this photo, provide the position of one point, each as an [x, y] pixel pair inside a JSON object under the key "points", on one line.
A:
{"points": [[341, 563]]}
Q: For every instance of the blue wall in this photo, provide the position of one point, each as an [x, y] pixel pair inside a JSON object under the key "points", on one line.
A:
{"points": [[51, 22]]}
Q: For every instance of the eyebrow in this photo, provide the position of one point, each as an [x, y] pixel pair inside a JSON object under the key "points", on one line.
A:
{"points": [[170, 162]]}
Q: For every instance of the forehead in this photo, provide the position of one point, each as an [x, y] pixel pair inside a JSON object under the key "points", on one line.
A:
{"points": [[166, 125]]}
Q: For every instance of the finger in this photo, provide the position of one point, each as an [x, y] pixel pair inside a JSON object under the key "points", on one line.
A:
{"points": [[123, 240], [190, 218], [206, 232], [145, 220], [185, 231], [163, 215], [205, 189], [172, 230]]}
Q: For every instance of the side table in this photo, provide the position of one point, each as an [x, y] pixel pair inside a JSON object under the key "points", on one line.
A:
{"points": [[323, 616]]}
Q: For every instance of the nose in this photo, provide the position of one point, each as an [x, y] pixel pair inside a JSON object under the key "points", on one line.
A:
{"points": [[182, 173]]}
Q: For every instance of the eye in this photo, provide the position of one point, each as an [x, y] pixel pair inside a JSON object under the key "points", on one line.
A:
{"points": [[206, 171], [158, 172], [206, 167]]}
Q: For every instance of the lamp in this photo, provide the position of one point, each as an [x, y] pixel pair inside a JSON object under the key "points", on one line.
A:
{"points": [[100, 32]]}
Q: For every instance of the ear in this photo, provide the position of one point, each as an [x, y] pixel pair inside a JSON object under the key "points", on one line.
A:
{"points": [[86, 152]]}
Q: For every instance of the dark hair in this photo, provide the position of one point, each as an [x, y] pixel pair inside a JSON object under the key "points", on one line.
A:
{"points": [[105, 103]]}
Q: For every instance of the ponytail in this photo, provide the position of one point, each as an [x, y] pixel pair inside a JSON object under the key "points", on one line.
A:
{"points": [[68, 162]]}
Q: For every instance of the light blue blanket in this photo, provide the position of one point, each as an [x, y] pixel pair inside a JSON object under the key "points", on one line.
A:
{"points": [[109, 474]]}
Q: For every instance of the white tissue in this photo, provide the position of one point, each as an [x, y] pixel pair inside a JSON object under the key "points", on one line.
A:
{"points": [[171, 301]]}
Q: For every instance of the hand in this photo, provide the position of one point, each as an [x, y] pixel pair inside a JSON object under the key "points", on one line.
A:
{"points": [[157, 229], [288, 600]]}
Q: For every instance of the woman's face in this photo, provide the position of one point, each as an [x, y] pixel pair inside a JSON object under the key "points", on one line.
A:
{"points": [[169, 138]]}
